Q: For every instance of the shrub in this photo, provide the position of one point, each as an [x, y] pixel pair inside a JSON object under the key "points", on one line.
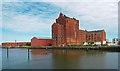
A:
{"points": [[28, 44]]}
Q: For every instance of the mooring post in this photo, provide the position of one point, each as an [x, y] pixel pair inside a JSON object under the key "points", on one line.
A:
{"points": [[87, 49], [28, 54], [7, 52]]}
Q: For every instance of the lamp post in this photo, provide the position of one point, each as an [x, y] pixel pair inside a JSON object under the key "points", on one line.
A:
{"points": [[15, 43]]}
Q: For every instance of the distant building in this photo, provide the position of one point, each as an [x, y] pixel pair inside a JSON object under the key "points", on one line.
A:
{"points": [[116, 41], [119, 43], [36, 42], [14, 44], [65, 31], [110, 44], [0, 44]]}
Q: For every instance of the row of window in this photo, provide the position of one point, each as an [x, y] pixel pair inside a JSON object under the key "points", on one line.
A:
{"points": [[91, 36]]}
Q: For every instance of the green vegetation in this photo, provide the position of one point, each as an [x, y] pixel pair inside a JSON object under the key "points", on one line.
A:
{"points": [[28, 44], [91, 43], [24, 46]]}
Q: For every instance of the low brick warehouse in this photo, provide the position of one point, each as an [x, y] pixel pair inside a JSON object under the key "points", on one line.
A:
{"points": [[14, 44], [36, 42]]}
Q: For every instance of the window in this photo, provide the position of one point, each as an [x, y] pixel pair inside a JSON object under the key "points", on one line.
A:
{"points": [[117, 39]]}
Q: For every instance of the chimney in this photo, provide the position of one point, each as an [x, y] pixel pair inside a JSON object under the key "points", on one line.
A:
{"points": [[61, 14]]}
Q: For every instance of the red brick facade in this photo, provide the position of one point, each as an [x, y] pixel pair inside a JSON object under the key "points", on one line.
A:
{"points": [[36, 42], [82, 35], [14, 44], [65, 31], [118, 42], [96, 36]]}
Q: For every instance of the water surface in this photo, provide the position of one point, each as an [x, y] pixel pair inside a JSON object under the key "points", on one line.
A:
{"points": [[58, 59]]}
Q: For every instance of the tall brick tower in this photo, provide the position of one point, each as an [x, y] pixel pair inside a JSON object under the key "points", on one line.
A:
{"points": [[65, 31]]}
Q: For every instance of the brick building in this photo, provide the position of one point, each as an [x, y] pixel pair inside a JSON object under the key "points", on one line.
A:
{"points": [[14, 44], [82, 36], [65, 31], [119, 43], [36, 42], [98, 37]]}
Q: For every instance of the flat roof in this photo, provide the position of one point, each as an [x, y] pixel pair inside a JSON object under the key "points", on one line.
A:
{"points": [[96, 31], [42, 37]]}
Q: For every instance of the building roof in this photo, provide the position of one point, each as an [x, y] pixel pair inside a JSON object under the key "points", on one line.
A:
{"points": [[82, 30], [42, 37], [97, 31], [61, 14]]}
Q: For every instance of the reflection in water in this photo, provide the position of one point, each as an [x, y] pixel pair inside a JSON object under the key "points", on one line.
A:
{"points": [[67, 53], [0, 59], [75, 58], [59, 59], [39, 51], [67, 58]]}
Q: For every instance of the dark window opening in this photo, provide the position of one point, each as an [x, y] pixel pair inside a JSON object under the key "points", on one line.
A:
{"points": [[50, 44]]}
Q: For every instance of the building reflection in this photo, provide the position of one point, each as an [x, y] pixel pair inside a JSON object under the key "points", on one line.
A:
{"points": [[72, 59], [76, 53], [71, 53], [39, 51]]}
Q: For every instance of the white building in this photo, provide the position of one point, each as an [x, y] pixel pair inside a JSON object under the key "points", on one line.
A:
{"points": [[115, 41]]}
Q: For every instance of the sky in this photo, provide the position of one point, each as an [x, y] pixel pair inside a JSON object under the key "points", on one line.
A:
{"points": [[23, 19]]}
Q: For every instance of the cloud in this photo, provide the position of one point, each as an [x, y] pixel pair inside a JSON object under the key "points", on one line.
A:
{"points": [[26, 23], [38, 16], [0, 22], [29, 17], [8, 37], [39, 9], [60, 0], [101, 15]]}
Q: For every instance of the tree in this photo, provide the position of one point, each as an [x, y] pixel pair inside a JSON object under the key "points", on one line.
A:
{"points": [[28, 44], [90, 43]]}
